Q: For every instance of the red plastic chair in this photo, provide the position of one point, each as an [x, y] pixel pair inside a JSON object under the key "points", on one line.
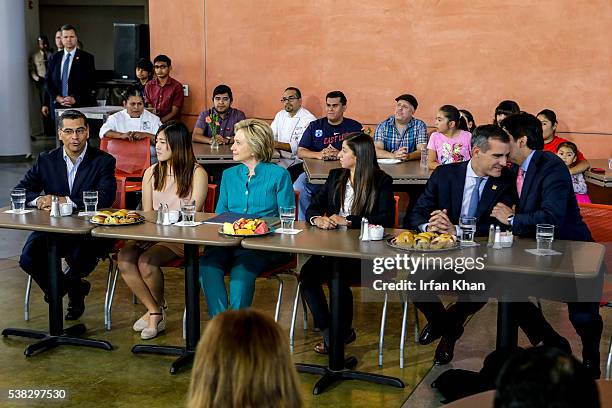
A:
{"points": [[133, 158], [396, 218], [120, 194]]}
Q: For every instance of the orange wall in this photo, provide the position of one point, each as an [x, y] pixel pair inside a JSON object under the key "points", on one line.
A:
{"points": [[551, 54]]}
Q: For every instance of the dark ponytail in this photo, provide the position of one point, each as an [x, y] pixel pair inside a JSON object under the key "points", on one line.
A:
{"points": [[452, 114]]}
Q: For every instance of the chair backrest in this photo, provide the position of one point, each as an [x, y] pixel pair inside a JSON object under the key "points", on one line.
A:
{"points": [[598, 217], [211, 195], [396, 216], [120, 194], [133, 157]]}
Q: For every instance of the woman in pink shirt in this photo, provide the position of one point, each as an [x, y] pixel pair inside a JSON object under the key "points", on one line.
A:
{"points": [[452, 142]]}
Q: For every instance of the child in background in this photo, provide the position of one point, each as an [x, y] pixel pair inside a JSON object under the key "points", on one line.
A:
{"points": [[568, 152], [469, 119], [505, 109], [452, 142]]}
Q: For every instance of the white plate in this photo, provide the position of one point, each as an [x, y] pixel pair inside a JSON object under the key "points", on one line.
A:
{"points": [[389, 161]]}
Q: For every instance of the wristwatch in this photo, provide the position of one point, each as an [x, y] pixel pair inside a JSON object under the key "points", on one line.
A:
{"points": [[510, 219]]}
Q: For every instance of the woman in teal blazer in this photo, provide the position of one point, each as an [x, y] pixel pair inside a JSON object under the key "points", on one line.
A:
{"points": [[255, 187]]}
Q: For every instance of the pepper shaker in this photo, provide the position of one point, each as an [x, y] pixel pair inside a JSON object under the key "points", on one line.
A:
{"points": [[491, 240], [55, 209], [497, 244], [160, 214], [366, 230]]}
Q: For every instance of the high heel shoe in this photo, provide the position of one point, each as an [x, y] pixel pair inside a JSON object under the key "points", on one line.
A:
{"points": [[148, 333]]}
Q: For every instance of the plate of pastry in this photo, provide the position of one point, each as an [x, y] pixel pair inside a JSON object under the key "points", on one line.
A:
{"points": [[116, 218], [423, 241]]}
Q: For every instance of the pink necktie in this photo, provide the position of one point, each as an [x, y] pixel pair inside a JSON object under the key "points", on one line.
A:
{"points": [[519, 180]]}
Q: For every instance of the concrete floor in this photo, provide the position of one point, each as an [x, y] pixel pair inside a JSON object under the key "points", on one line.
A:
{"points": [[120, 379]]}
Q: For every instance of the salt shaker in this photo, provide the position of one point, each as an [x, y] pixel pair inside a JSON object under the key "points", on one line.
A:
{"points": [[166, 216], [497, 244], [366, 230], [491, 236], [160, 214], [55, 208], [361, 232]]}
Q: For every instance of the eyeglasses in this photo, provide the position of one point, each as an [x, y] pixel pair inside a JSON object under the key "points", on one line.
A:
{"points": [[160, 66], [289, 99], [79, 131]]}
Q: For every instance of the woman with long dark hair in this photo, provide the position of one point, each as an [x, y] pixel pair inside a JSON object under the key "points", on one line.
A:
{"points": [[176, 176], [358, 189]]}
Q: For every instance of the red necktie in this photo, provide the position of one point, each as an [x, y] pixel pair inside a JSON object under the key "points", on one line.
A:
{"points": [[519, 180]]}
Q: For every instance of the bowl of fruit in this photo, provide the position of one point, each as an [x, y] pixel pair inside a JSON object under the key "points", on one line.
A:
{"points": [[246, 227]]}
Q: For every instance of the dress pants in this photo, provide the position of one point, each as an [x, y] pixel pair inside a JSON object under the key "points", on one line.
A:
{"points": [[315, 272], [82, 255], [307, 190], [244, 265]]}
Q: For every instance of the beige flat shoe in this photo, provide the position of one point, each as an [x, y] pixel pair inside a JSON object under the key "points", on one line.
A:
{"points": [[148, 333], [141, 323]]}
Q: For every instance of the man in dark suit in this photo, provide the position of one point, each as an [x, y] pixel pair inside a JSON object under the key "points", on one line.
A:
{"points": [[469, 188], [71, 74], [66, 172], [546, 196]]}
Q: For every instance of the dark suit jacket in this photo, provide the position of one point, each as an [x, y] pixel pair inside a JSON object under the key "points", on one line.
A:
{"points": [[49, 176], [81, 78], [444, 190], [548, 198], [327, 201]]}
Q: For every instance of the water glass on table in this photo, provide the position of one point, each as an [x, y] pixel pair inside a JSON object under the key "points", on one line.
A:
{"points": [[287, 216], [90, 201], [424, 154], [18, 199], [545, 234], [467, 225], [188, 210]]}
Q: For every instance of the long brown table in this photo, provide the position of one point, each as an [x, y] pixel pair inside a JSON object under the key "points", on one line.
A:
{"points": [[191, 237], [56, 227], [223, 155], [580, 261], [409, 172]]}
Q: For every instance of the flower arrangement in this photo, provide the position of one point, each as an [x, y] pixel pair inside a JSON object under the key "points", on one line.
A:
{"points": [[214, 124]]}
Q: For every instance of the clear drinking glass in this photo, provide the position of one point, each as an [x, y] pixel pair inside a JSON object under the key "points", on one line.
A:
{"points": [[90, 200], [468, 229], [424, 153], [287, 216], [188, 210], [545, 234], [18, 199]]}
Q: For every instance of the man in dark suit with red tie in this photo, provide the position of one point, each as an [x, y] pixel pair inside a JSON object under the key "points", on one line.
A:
{"points": [[469, 188], [71, 74], [66, 172], [547, 196]]}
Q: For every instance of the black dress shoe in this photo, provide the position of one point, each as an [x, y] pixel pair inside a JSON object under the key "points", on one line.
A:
{"points": [[446, 348], [430, 333], [559, 342], [76, 301]]}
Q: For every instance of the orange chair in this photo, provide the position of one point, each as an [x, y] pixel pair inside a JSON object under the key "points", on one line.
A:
{"points": [[176, 263], [396, 222], [120, 194], [133, 158], [598, 217]]}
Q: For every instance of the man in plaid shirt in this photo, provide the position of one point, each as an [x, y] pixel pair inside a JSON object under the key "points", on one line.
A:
{"points": [[401, 136]]}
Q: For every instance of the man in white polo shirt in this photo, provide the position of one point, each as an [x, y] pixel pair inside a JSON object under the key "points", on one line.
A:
{"points": [[132, 123], [288, 127]]}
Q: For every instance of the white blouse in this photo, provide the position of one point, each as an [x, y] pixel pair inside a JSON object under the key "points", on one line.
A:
{"points": [[349, 194]]}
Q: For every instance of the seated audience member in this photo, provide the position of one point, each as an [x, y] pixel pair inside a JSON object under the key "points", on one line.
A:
{"points": [[470, 188], [288, 127], [323, 140], [545, 377], [469, 119], [505, 109], [568, 152], [164, 93], [144, 73], [225, 118], [546, 196], [132, 123], [255, 187], [552, 141], [451, 142], [243, 360], [66, 172], [176, 176], [401, 136], [358, 189]]}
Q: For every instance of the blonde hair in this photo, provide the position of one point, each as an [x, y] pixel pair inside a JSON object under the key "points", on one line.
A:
{"points": [[259, 137], [243, 361]]}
